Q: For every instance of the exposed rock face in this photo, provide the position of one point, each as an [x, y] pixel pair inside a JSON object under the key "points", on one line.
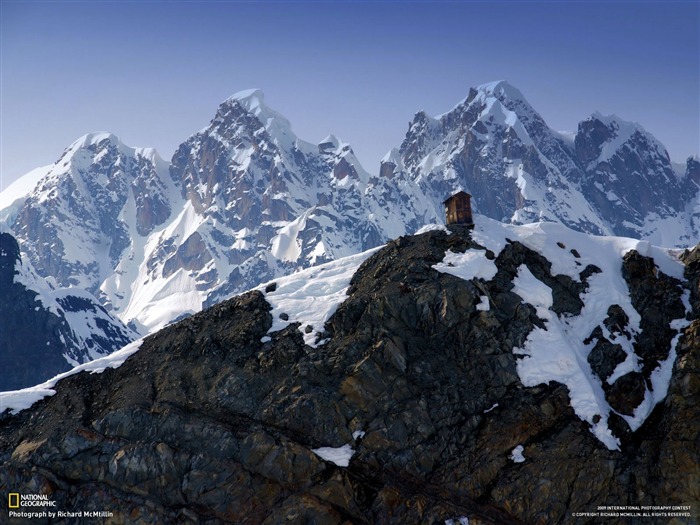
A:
{"points": [[209, 424], [628, 174], [44, 331], [33, 329]]}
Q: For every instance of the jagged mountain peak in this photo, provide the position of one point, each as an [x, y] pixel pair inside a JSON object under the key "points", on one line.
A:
{"points": [[393, 156], [499, 92], [88, 206], [95, 137], [330, 142], [335, 146], [502, 90], [251, 99], [96, 143], [692, 170], [251, 201], [616, 132], [246, 114]]}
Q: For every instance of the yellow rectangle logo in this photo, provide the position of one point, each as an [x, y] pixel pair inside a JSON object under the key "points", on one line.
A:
{"points": [[13, 500]]}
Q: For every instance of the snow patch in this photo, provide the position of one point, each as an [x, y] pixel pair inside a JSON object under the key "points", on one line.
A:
{"points": [[531, 289], [469, 265], [484, 304], [311, 296], [433, 228], [340, 455], [557, 352], [516, 456]]}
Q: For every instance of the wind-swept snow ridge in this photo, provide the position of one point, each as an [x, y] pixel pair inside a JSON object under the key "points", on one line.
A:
{"points": [[559, 351], [22, 399]]}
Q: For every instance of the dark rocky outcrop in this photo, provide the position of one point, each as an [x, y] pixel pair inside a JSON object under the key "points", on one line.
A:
{"points": [[42, 333], [208, 424], [30, 338]]}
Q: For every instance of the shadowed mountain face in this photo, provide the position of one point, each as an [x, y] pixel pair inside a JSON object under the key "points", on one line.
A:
{"points": [[47, 331], [410, 408]]}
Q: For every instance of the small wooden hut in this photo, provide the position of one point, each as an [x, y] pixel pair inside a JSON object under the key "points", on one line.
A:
{"points": [[458, 209]]}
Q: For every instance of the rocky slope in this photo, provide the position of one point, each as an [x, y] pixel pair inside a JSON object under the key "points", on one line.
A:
{"points": [[421, 399], [46, 331]]}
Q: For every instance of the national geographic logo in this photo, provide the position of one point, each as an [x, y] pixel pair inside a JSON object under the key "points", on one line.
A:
{"points": [[16, 500]]}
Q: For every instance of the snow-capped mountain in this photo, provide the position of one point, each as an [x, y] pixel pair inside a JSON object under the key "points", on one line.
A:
{"points": [[45, 330], [82, 215], [261, 202], [245, 200], [612, 177]]}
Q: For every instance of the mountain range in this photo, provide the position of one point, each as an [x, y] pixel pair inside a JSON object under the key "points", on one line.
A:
{"points": [[245, 200]]}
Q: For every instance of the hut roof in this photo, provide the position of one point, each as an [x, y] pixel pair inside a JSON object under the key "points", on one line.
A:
{"points": [[455, 195]]}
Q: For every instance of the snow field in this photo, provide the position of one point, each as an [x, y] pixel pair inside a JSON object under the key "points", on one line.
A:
{"points": [[312, 295]]}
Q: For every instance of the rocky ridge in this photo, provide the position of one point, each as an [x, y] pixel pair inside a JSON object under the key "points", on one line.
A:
{"points": [[413, 388]]}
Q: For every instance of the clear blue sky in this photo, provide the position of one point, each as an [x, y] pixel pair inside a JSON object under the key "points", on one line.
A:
{"points": [[154, 72]]}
